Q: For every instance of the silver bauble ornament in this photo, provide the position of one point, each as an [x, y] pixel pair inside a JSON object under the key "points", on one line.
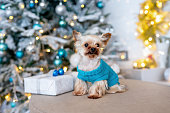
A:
{"points": [[74, 59], [82, 1], [30, 49], [60, 9]]}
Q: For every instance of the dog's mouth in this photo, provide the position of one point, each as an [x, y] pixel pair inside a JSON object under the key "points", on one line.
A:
{"points": [[91, 53]]}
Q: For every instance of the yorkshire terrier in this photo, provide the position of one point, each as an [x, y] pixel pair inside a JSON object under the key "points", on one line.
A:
{"points": [[92, 69]]}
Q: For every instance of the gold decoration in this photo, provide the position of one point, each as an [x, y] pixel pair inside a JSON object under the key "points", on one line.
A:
{"points": [[153, 22]]}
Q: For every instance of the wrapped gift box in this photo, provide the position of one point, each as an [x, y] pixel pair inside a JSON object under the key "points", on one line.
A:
{"points": [[151, 75], [48, 85]]}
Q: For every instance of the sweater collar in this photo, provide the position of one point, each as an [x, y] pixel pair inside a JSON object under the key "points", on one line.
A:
{"points": [[95, 71]]}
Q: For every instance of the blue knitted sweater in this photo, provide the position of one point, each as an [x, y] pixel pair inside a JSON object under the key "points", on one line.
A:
{"points": [[103, 72]]}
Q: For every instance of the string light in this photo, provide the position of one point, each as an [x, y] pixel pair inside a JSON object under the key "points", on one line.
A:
{"points": [[150, 39], [21, 5], [135, 64], [41, 69], [122, 56], [143, 65], [48, 50], [65, 36], [152, 22], [146, 7], [71, 23], [146, 11], [11, 17], [150, 46], [37, 37], [64, 0], [41, 31], [36, 1], [7, 97], [75, 17], [146, 42], [28, 95], [141, 12], [65, 68], [158, 18], [159, 4], [157, 35], [82, 5]]}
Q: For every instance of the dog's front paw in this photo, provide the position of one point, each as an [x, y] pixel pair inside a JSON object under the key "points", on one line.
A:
{"points": [[97, 90], [94, 96], [79, 92]]}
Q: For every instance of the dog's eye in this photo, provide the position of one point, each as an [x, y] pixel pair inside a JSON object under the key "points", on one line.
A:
{"points": [[97, 45], [86, 44]]}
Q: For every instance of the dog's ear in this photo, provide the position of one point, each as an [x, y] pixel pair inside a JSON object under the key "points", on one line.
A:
{"points": [[76, 35], [105, 37]]}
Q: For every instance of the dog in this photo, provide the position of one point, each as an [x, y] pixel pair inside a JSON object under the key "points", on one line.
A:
{"points": [[92, 69]]}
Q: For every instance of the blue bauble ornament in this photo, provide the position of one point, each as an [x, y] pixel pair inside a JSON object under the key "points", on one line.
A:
{"points": [[37, 26], [10, 79], [19, 54], [57, 62], [61, 71], [31, 4], [13, 104], [100, 4], [62, 53], [55, 73], [3, 47], [62, 23], [3, 6]]}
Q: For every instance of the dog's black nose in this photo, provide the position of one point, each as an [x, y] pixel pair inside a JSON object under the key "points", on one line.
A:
{"points": [[93, 49]]}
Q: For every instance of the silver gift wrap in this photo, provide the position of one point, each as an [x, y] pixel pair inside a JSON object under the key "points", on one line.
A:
{"points": [[48, 85]]}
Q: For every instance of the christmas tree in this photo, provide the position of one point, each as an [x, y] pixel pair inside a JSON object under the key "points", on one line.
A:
{"points": [[36, 36]]}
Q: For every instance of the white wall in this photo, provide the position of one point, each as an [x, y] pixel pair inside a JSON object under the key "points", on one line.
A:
{"points": [[123, 16]]}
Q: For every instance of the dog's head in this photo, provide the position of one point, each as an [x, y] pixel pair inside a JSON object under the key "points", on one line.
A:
{"points": [[90, 46]]}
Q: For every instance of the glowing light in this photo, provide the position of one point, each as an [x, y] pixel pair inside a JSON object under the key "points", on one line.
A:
{"points": [[152, 22], [41, 68], [146, 7], [158, 18], [64, 0], [7, 97], [36, 1], [159, 4], [48, 50], [20, 67], [75, 17], [150, 46], [11, 17], [122, 56], [142, 64], [41, 31], [136, 34], [65, 68], [166, 26], [15, 100], [54, 29], [71, 23], [146, 11], [28, 95], [22, 6], [82, 5], [101, 49], [37, 37], [135, 64], [65, 36], [150, 39], [157, 35], [146, 42], [141, 12]]}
